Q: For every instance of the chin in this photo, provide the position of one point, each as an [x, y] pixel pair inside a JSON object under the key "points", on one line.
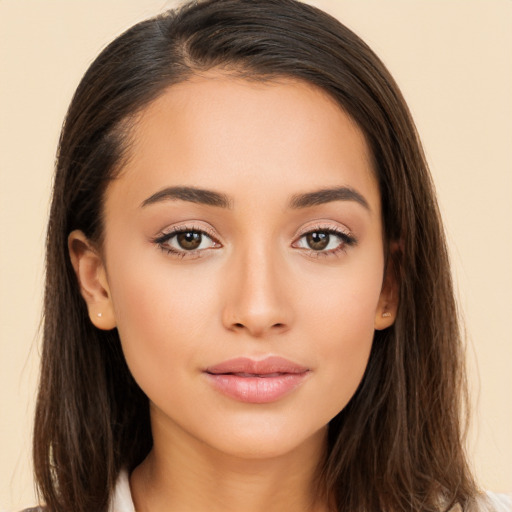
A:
{"points": [[266, 440]]}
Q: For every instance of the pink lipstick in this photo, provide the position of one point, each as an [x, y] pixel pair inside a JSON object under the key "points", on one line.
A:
{"points": [[256, 382]]}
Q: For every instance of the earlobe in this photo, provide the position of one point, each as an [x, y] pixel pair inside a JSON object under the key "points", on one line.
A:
{"points": [[92, 279], [387, 306], [384, 317]]}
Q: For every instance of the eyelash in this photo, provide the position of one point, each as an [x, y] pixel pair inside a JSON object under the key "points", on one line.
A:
{"points": [[346, 240], [162, 240]]}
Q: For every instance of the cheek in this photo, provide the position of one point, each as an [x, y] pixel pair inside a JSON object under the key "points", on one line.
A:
{"points": [[342, 318], [346, 300], [347, 332], [156, 310]]}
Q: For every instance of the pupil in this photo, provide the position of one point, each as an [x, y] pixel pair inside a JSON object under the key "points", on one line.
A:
{"points": [[318, 240], [189, 240]]}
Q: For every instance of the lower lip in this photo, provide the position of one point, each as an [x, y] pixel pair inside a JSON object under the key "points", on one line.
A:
{"points": [[256, 390]]}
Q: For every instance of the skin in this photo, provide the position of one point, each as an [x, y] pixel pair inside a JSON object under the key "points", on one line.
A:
{"points": [[255, 288]]}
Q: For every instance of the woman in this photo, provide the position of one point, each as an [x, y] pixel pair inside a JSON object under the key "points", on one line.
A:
{"points": [[249, 235]]}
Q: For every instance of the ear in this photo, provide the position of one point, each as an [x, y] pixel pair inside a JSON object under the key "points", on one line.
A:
{"points": [[387, 306], [92, 279]]}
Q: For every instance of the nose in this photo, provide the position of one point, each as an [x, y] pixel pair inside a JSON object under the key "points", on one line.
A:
{"points": [[256, 295]]}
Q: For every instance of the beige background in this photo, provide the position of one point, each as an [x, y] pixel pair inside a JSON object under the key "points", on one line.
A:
{"points": [[452, 59]]}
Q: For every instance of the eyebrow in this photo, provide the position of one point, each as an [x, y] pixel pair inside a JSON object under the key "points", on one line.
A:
{"points": [[297, 201], [190, 194], [328, 195]]}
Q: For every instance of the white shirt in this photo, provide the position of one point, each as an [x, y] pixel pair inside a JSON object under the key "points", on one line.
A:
{"points": [[122, 498]]}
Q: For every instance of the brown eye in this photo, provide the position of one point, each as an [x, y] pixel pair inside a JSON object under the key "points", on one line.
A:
{"points": [[186, 241], [325, 241], [189, 240], [318, 240]]}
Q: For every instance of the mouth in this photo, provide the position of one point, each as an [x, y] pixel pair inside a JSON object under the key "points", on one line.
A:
{"points": [[258, 382]]}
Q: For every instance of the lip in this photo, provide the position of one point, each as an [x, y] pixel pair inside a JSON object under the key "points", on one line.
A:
{"points": [[256, 381]]}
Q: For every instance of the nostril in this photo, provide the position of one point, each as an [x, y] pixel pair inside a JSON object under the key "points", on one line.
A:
{"points": [[239, 325]]}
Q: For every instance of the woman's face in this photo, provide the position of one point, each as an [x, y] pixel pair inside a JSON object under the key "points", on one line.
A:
{"points": [[243, 262]]}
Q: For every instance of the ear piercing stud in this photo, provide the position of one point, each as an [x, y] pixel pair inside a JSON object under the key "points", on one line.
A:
{"points": [[386, 314], [100, 315]]}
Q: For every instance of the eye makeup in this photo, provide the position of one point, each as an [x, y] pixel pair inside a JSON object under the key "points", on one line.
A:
{"points": [[192, 241], [186, 241], [323, 241]]}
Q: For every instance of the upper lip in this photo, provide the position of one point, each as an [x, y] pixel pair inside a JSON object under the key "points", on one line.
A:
{"points": [[245, 365]]}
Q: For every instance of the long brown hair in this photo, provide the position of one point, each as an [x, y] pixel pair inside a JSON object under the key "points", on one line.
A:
{"points": [[398, 444]]}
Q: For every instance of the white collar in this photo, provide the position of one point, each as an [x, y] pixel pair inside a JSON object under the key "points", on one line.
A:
{"points": [[122, 498]]}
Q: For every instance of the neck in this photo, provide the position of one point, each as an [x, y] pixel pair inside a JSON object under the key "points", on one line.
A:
{"points": [[186, 475]]}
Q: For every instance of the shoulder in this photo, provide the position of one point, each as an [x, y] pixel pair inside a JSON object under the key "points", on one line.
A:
{"points": [[121, 500], [492, 502], [500, 502]]}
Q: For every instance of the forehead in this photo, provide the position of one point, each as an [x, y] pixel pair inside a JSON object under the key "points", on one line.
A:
{"points": [[224, 133]]}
